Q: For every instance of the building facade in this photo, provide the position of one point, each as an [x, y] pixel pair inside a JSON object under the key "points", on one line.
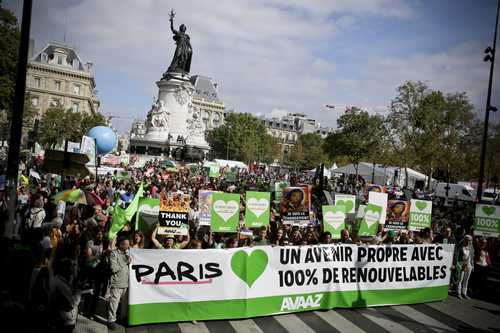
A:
{"points": [[57, 77], [206, 100], [288, 128]]}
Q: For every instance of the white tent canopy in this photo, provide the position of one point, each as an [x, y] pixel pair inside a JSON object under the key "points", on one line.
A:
{"points": [[231, 164], [383, 175]]}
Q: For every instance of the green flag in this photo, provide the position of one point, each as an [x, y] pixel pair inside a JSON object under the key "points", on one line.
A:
{"points": [[122, 216]]}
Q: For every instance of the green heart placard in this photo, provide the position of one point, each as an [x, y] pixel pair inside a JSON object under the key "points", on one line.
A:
{"points": [[488, 210], [421, 205], [346, 203], [249, 267]]}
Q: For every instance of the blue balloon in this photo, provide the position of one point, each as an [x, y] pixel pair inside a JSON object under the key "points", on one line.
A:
{"points": [[105, 139]]}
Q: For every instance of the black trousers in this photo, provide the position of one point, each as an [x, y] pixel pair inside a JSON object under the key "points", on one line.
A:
{"points": [[479, 279]]}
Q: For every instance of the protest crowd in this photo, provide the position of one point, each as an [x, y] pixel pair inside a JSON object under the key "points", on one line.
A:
{"points": [[69, 254]]}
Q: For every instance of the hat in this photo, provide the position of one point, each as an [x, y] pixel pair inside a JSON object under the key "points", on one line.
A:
{"points": [[391, 233], [468, 237]]}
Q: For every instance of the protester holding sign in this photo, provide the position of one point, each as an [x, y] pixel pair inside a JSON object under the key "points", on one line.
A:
{"points": [[169, 241], [236, 218]]}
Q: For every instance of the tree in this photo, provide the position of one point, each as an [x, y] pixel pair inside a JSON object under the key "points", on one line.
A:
{"points": [[59, 124], [402, 120], [297, 156], [492, 164], [9, 45], [90, 120], [308, 151], [428, 128], [243, 137], [359, 136]]}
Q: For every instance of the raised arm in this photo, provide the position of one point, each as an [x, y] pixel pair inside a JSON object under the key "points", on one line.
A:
{"points": [[172, 15], [154, 240], [185, 242]]}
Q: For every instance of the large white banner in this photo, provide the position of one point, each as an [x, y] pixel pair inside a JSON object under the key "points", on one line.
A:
{"points": [[183, 285]]}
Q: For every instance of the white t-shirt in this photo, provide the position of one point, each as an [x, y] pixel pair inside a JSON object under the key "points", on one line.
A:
{"points": [[37, 215], [466, 254], [482, 259]]}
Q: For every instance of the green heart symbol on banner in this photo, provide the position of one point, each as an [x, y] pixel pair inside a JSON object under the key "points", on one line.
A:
{"points": [[249, 267], [347, 204], [488, 210], [421, 205]]}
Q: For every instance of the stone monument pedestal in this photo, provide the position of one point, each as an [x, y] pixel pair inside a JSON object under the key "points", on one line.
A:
{"points": [[172, 121]]}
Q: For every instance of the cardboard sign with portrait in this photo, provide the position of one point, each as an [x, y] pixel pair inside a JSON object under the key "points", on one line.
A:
{"points": [[205, 206], [295, 205], [397, 214]]}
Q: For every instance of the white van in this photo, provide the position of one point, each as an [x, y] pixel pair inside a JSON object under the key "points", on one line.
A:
{"points": [[451, 192], [490, 195]]}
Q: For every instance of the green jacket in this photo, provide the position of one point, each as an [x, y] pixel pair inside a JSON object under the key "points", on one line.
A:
{"points": [[119, 269]]}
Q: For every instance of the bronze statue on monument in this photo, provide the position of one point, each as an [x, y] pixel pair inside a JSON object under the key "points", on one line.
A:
{"points": [[181, 62]]}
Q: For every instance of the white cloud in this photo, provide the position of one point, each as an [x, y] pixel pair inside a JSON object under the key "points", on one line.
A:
{"points": [[268, 56]]}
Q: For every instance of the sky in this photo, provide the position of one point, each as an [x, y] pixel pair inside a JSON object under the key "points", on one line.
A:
{"points": [[271, 57]]}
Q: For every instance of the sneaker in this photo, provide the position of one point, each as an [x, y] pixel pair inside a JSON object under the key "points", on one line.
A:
{"points": [[459, 296], [466, 297], [113, 326]]}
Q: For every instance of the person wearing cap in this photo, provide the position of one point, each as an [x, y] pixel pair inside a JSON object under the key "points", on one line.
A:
{"points": [[463, 259]]}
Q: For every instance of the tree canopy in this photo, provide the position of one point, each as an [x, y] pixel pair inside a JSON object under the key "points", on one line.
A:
{"points": [[308, 152], [243, 137], [9, 44], [359, 137], [430, 129], [58, 124]]}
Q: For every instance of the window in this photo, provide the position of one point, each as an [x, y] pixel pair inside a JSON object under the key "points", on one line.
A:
{"points": [[38, 82], [55, 102], [76, 89], [57, 84], [34, 101], [465, 192], [45, 57], [76, 107], [76, 64], [59, 60]]}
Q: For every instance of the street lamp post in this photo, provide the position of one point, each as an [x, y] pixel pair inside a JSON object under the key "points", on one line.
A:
{"points": [[17, 119], [490, 56]]}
